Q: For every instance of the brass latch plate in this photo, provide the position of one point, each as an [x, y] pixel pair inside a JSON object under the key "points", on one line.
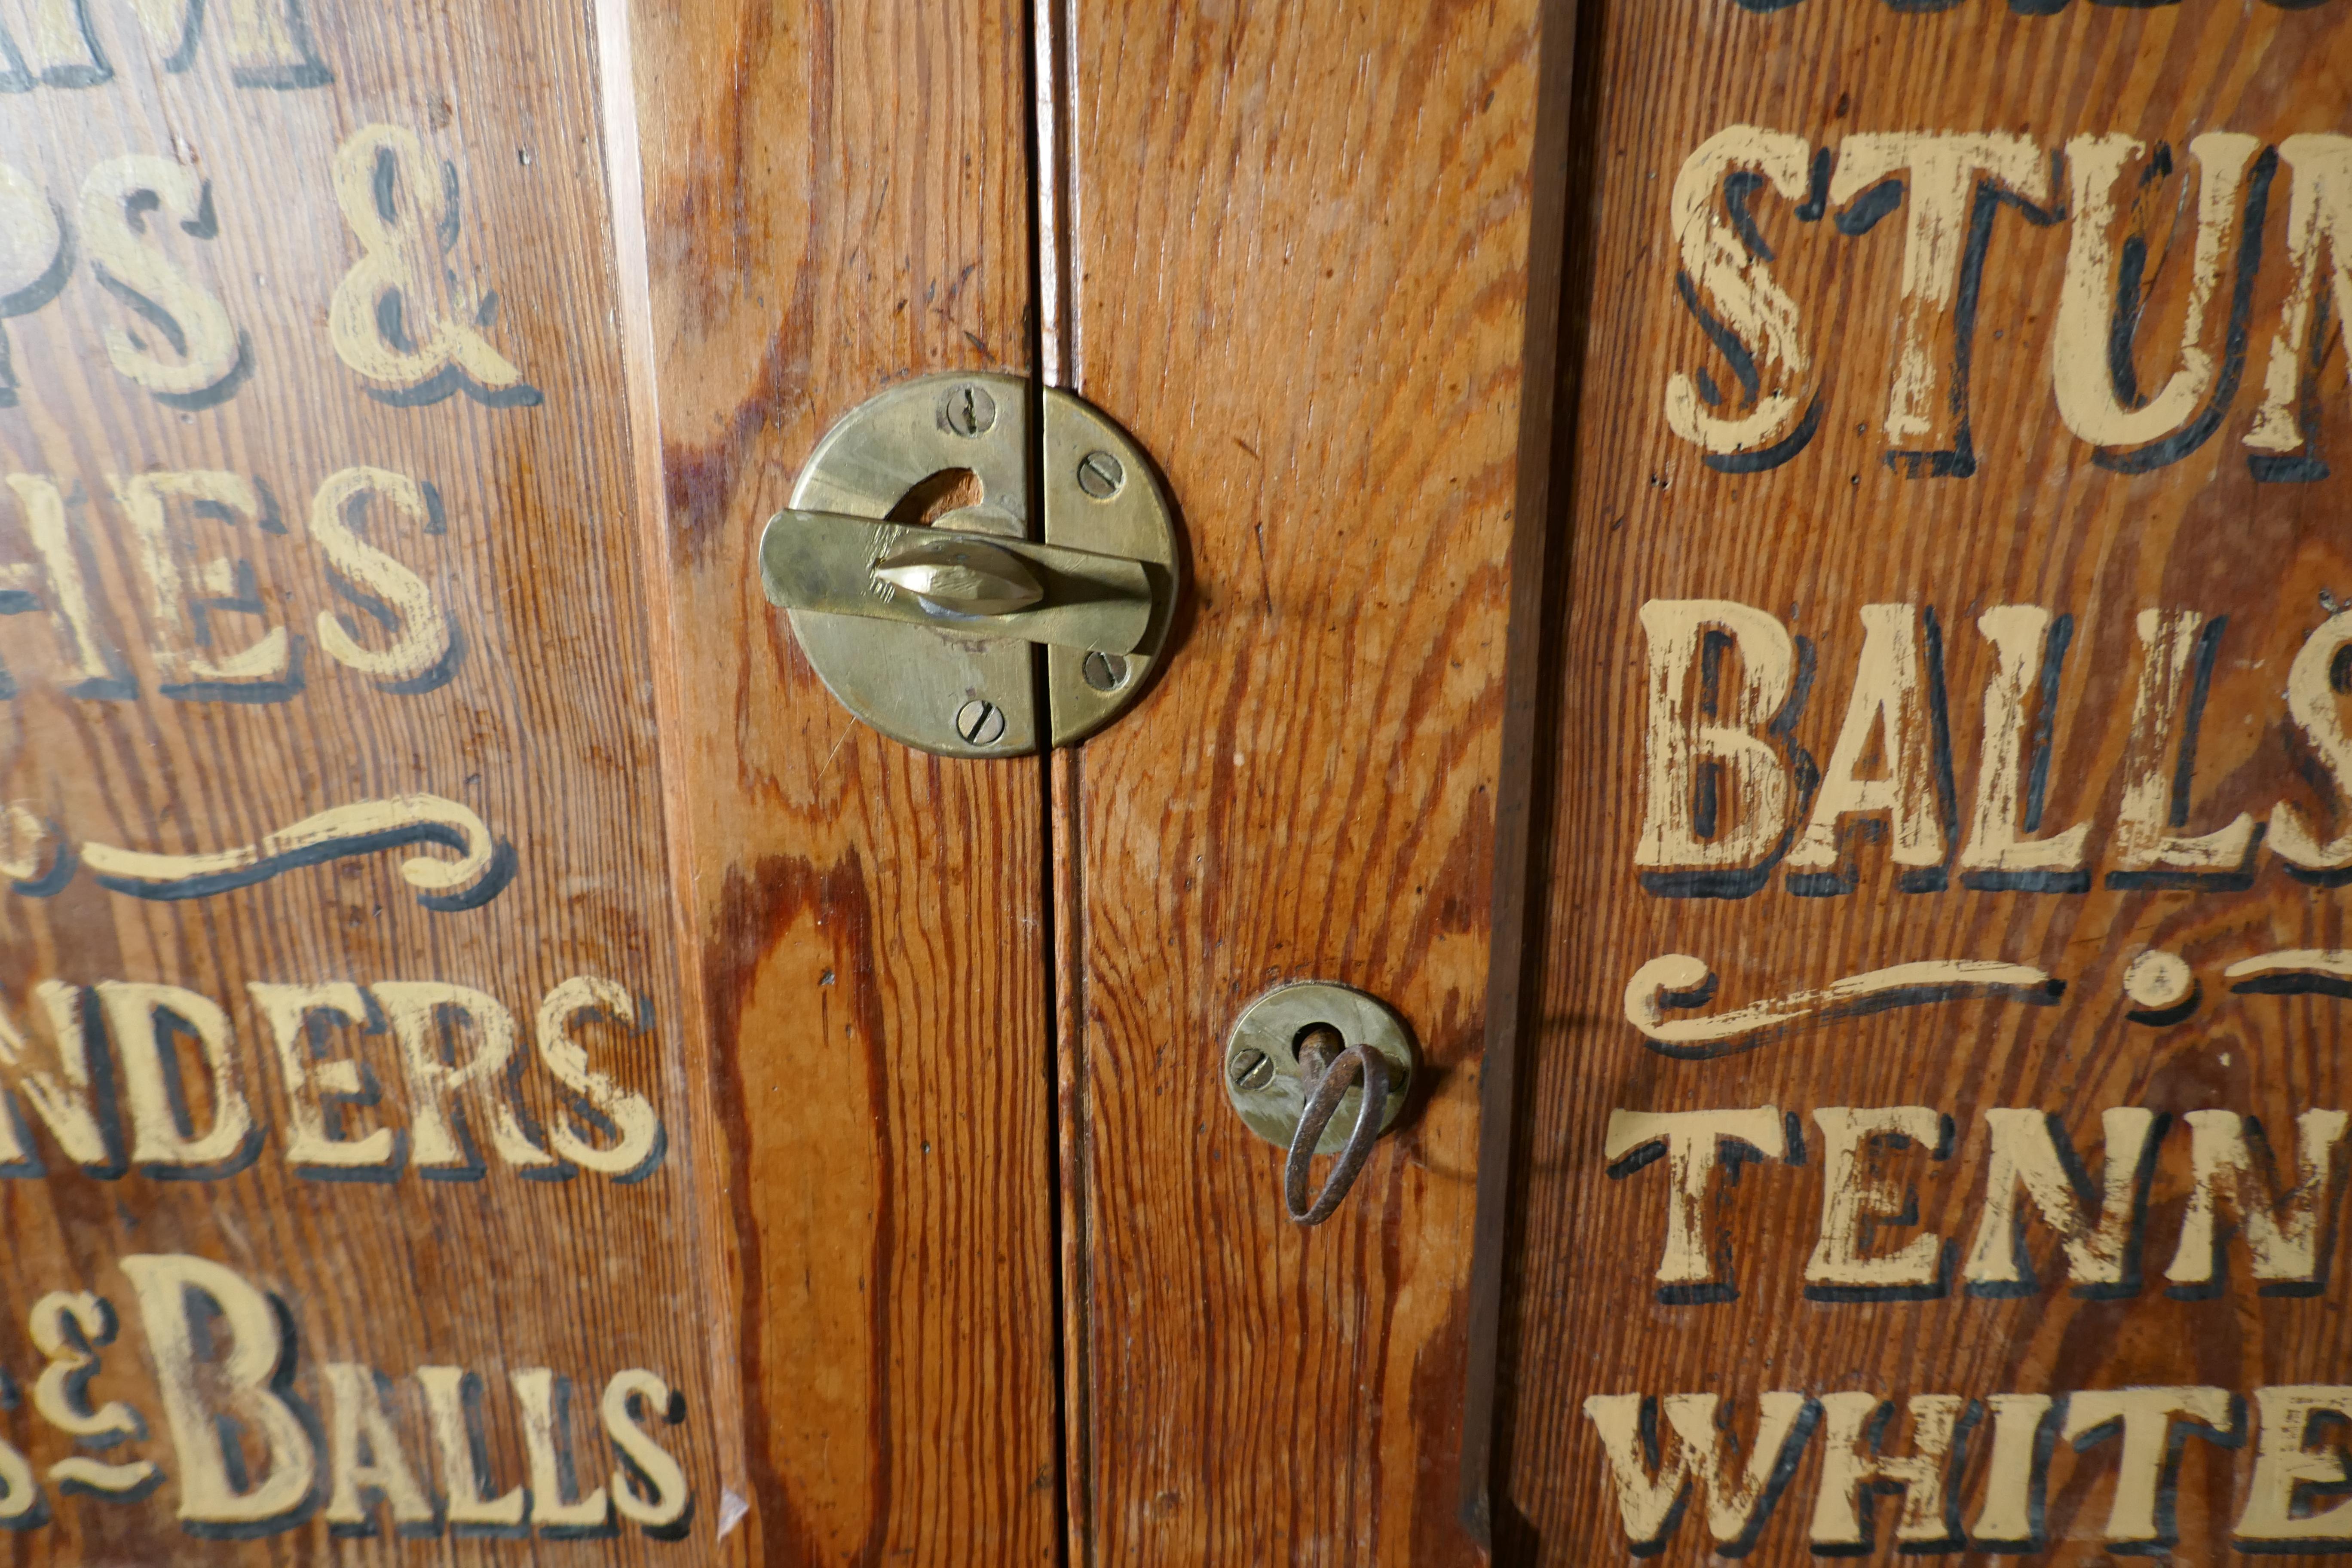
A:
{"points": [[927, 627]]}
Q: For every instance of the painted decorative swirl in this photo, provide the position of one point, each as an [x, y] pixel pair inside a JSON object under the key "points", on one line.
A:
{"points": [[2294, 971], [1677, 980], [39, 862]]}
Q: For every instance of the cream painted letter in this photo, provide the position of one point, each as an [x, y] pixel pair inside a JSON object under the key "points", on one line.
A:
{"points": [[2282, 1236], [2141, 1514], [1945, 169], [2025, 1158], [63, 1099], [2318, 222], [269, 41], [1853, 1199], [90, 668], [210, 1503], [2025, 656], [2010, 1517], [2088, 399], [2310, 699], [364, 1454], [1890, 697], [417, 1010], [638, 1147], [1739, 1493], [1854, 1424], [461, 1479], [554, 1476], [1690, 1138], [422, 637], [288, 1010], [1748, 780], [145, 1020], [190, 665], [2144, 843], [649, 1488], [206, 355], [1722, 276], [2284, 1465], [69, 1328], [55, 48]]}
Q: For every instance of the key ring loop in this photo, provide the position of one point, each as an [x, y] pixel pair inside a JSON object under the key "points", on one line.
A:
{"points": [[1327, 1088]]}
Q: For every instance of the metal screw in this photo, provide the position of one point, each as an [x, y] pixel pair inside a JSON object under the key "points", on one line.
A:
{"points": [[980, 722], [1251, 1070], [1103, 671], [1101, 475], [969, 410]]}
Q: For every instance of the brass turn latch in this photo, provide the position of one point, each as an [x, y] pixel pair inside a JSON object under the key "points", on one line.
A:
{"points": [[906, 565]]}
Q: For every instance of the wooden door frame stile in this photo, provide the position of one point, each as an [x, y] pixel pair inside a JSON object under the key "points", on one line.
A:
{"points": [[718, 1268], [1556, 319]]}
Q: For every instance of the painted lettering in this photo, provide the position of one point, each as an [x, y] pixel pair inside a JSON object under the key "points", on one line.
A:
{"points": [[258, 1490], [1724, 771], [376, 1080], [1859, 1198], [408, 326], [186, 350], [1691, 1143], [1951, 186], [1726, 282], [1716, 811]]}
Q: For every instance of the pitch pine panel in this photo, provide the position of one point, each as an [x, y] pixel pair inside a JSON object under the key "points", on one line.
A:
{"points": [[2032, 399]]}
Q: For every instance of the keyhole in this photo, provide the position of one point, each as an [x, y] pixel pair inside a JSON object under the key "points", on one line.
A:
{"points": [[934, 496]]}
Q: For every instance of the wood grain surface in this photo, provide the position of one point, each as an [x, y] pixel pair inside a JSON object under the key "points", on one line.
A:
{"points": [[836, 200], [1291, 255], [1840, 525], [503, 667]]}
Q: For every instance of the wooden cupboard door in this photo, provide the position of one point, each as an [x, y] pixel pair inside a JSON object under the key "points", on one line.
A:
{"points": [[835, 201], [351, 1136], [1302, 254], [1932, 1121]]}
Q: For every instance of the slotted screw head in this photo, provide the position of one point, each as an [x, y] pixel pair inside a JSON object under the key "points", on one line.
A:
{"points": [[980, 722], [1251, 1070], [1101, 475], [1103, 671], [968, 410]]}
